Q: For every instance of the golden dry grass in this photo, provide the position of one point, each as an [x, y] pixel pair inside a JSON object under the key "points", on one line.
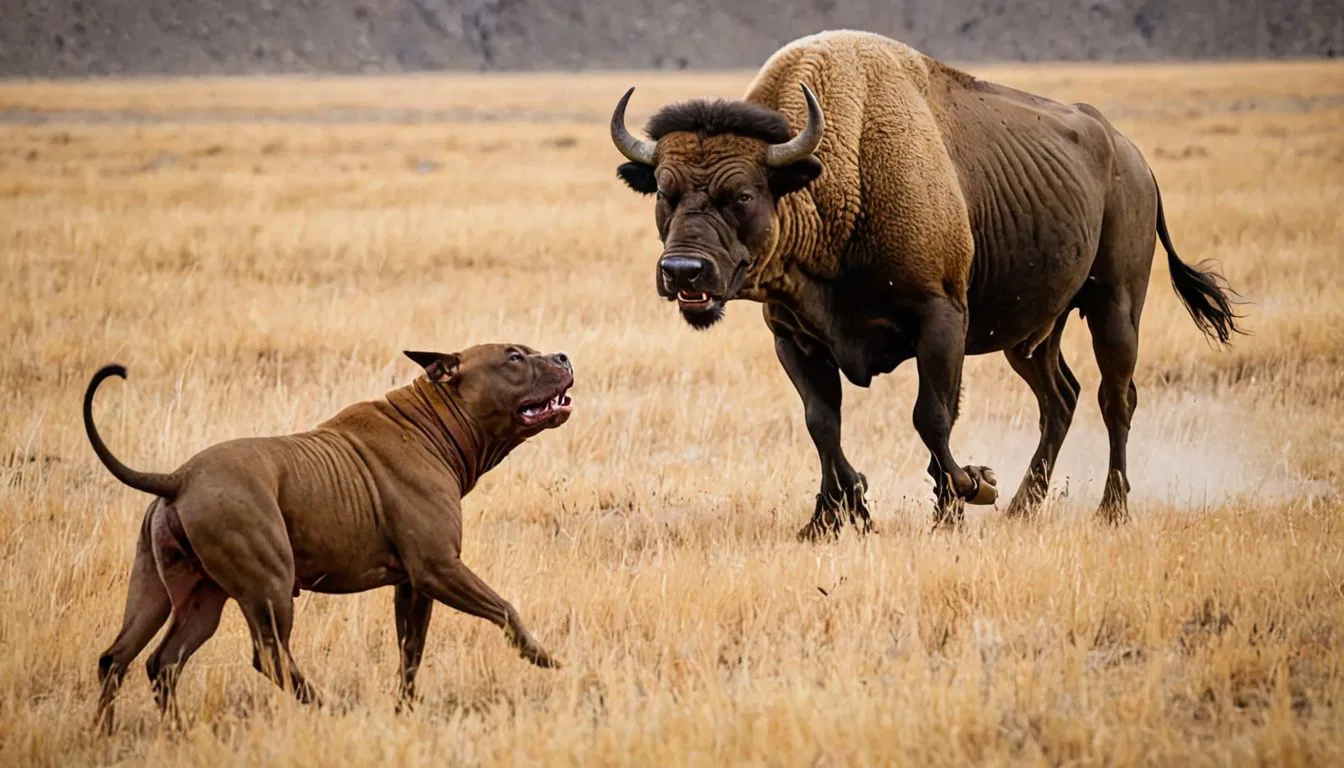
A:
{"points": [[255, 275]]}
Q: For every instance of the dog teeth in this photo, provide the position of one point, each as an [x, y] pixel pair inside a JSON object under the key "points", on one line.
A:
{"points": [[559, 401]]}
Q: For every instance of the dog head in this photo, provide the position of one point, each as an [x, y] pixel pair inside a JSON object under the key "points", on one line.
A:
{"points": [[510, 391]]}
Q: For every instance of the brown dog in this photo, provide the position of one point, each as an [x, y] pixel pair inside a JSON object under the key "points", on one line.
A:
{"points": [[370, 498]]}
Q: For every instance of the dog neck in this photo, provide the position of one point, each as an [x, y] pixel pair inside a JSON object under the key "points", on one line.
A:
{"points": [[437, 414]]}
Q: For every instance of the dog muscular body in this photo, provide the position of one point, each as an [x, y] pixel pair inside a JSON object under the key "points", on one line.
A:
{"points": [[369, 498]]}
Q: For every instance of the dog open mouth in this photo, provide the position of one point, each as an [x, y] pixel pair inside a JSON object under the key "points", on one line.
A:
{"points": [[542, 411]]}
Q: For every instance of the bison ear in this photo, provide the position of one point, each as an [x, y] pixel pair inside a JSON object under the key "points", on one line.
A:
{"points": [[638, 177], [794, 176], [439, 367]]}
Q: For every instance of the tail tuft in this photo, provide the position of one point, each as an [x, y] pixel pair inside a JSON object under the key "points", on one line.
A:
{"points": [[1206, 295]]}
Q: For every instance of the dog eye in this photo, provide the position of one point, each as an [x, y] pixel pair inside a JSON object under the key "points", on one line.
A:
{"points": [[745, 197], [515, 357]]}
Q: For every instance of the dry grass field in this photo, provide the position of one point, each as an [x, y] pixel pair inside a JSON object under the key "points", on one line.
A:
{"points": [[258, 252]]}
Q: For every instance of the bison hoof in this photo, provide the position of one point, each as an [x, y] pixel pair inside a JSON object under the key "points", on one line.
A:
{"points": [[986, 490], [818, 530], [831, 514], [405, 704], [950, 520]]}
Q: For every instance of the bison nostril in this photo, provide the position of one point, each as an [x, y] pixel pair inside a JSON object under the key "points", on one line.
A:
{"points": [[682, 271]]}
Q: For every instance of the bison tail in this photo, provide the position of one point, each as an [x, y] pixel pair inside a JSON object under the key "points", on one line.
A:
{"points": [[1204, 292], [160, 485]]}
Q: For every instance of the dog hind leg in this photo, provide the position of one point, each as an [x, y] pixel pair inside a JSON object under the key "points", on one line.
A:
{"points": [[197, 603], [194, 621], [242, 544], [147, 608], [270, 620]]}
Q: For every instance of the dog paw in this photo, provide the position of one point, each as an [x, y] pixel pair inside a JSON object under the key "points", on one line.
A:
{"points": [[541, 658]]}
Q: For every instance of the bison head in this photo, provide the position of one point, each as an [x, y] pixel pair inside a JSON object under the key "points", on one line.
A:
{"points": [[719, 170]]}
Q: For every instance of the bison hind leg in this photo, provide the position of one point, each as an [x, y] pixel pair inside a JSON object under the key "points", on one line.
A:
{"points": [[1115, 342], [1113, 305], [1056, 389]]}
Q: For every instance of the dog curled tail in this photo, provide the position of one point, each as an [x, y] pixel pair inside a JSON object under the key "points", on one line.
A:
{"points": [[160, 485]]}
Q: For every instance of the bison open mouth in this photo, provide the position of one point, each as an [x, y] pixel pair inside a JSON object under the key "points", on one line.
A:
{"points": [[542, 411], [693, 299], [702, 312]]}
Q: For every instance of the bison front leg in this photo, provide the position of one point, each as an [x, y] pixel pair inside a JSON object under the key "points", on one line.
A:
{"points": [[841, 497], [939, 353]]}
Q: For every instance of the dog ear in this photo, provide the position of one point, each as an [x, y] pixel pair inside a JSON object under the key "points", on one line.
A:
{"points": [[439, 367]]}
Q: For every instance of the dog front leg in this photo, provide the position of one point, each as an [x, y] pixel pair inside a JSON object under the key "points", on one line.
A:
{"points": [[453, 584], [413, 613]]}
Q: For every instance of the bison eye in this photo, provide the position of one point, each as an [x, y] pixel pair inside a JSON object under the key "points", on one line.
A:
{"points": [[744, 197]]}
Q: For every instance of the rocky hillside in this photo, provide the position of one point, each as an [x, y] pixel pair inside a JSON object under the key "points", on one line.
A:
{"points": [[71, 38]]}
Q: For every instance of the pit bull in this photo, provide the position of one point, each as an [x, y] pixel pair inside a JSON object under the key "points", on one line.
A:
{"points": [[369, 498]]}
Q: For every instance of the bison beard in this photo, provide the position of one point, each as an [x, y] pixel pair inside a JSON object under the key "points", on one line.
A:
{"points": [[701, 310], [701, 315]]}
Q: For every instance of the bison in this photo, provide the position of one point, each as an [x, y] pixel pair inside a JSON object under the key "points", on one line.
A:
{"points": [[917, 212]]}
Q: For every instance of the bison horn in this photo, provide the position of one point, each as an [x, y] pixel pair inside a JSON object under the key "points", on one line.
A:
{"points": [[802, 145], [636, 150]]}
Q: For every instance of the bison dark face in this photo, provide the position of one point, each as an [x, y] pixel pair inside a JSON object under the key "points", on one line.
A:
{"points": [[718, 170]]}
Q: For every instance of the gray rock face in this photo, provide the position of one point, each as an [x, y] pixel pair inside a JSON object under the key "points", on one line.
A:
{"points": [[72, 38]]}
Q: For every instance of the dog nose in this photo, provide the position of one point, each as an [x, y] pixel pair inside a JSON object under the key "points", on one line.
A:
{"points": [[563, 359], [681, 271]]}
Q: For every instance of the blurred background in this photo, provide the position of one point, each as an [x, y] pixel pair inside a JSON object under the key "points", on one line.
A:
{"points": [[75, 38]]}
